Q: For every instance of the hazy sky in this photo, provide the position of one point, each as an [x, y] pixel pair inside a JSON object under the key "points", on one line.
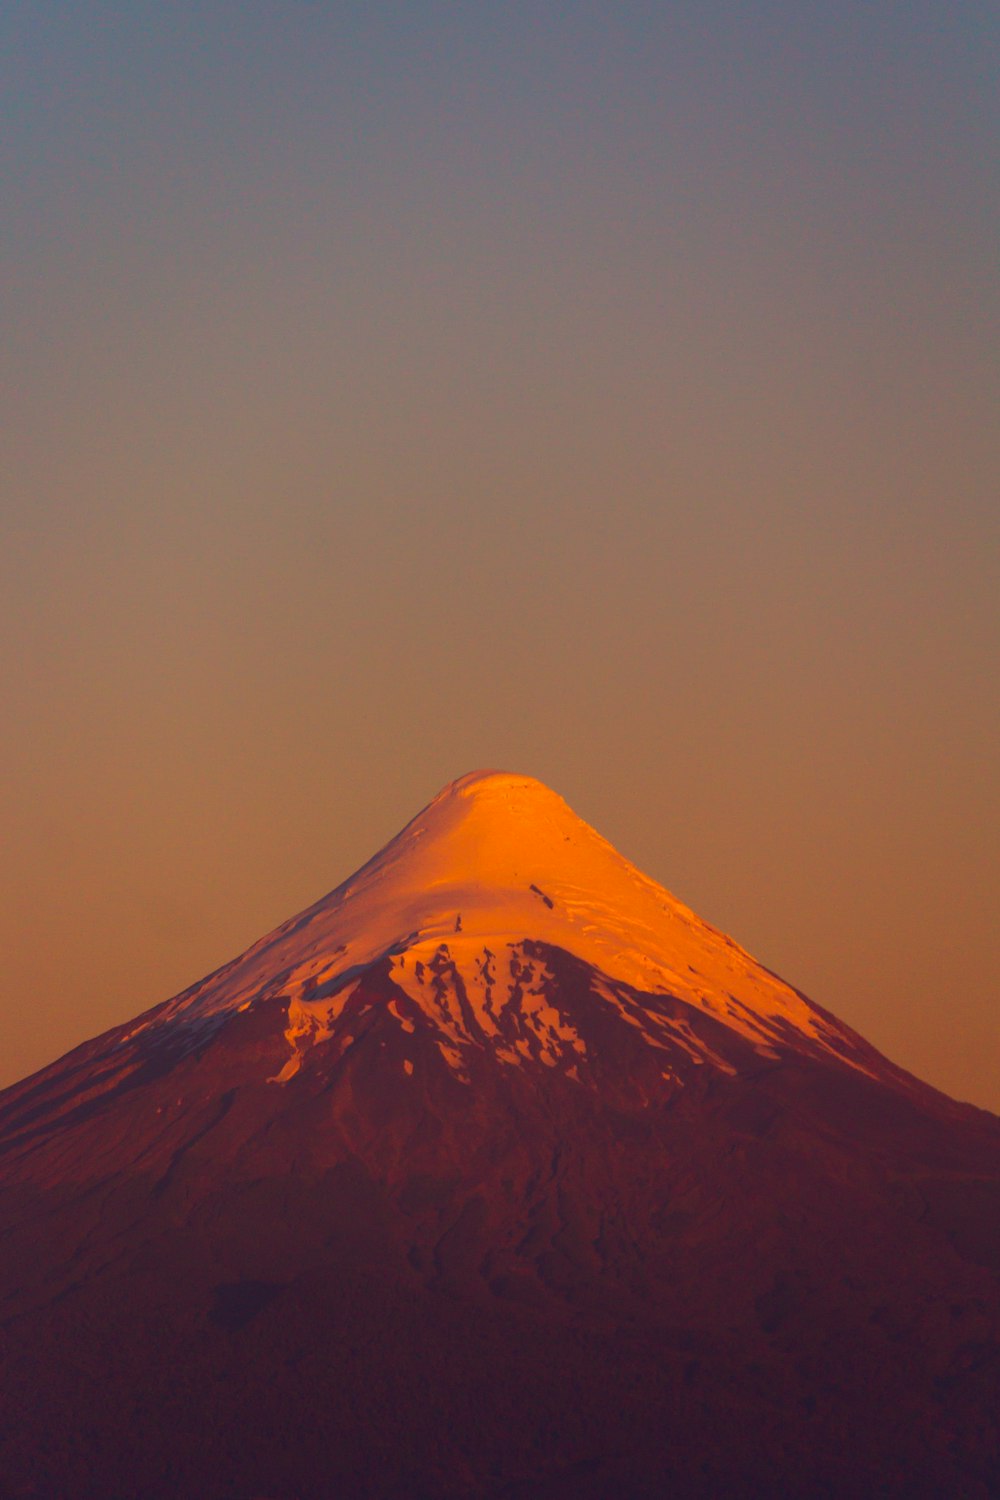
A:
{"points": [[606, 393]]}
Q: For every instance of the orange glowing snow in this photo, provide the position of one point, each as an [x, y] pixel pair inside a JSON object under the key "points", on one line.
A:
{"points": [[494, 861]]}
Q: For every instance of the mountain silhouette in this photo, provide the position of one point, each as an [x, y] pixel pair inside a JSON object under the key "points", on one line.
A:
{"points": [[496, 1172]]}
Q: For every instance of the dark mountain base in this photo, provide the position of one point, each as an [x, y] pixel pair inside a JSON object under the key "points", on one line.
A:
{"points": [[369, 1393], [532, 1295]]}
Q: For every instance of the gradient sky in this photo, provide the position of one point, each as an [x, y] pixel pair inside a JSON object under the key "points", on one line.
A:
{"points": [[606, 393]]}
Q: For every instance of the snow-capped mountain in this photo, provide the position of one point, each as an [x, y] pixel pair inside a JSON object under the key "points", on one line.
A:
{"points": [[495, 1172], [454, 935]]}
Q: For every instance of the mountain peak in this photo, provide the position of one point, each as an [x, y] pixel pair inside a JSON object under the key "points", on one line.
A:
{"points": [[486, 828], [472, 903], [495, 800], [478, 783]]}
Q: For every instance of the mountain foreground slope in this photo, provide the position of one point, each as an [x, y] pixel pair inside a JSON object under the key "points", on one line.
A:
{"points": [[497, 1172]]}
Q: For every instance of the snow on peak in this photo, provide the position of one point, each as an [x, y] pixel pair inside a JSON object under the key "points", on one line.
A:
{"points": [[494, 861]]}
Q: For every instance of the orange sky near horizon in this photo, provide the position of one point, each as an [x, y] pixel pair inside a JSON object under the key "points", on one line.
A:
{"points": [[397, 391]]}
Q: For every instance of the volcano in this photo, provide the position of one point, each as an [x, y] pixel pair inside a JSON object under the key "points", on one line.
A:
{"points": [[497, 1172]]}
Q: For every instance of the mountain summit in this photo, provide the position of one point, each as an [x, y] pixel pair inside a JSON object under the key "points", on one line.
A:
{"points": [[466, 914], [496, 1172]]}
